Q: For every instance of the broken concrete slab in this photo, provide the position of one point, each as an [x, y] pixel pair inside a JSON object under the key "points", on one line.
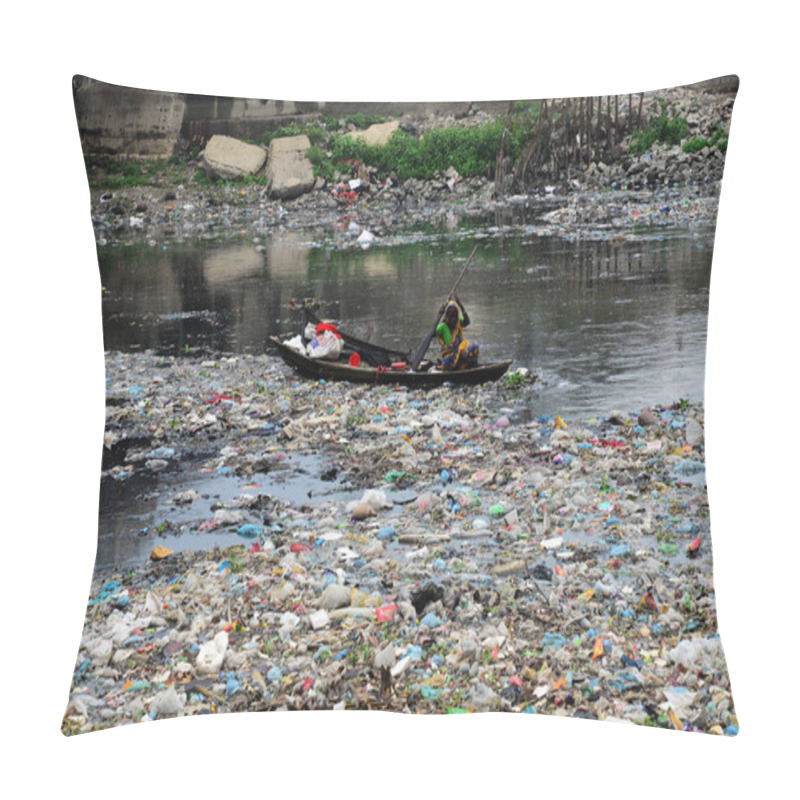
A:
{"points": [[289, 172], [378, 134], [229, 158]]}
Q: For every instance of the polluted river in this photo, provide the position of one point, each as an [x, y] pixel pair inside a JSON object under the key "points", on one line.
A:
{"points": [[603, 325], [537, 544]]}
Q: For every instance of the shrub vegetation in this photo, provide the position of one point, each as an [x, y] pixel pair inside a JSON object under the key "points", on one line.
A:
{"points": [[667, 128], [719, 140]]}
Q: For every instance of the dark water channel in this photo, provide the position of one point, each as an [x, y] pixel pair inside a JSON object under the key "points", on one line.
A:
{"points": [[132, 512], [606, 326]]}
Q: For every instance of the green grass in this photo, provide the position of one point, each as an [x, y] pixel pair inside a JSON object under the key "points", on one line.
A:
{"points": [[321, 163], [470, 151], [719, 140], [109, 173], [360, 121], [667, 128], [512, 380], [317, 134]]}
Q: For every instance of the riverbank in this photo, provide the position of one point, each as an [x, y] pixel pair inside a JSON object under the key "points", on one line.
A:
{"points": [[611, 192], [555, 566], [243, 213]]}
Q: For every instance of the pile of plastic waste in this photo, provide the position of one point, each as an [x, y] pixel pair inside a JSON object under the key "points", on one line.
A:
{"points": [[484, 561]]}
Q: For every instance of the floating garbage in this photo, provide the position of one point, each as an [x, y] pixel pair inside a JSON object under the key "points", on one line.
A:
{"points": [[465, 562]]}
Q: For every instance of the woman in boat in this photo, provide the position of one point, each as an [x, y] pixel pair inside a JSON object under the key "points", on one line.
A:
{"points": [[457, 352]]}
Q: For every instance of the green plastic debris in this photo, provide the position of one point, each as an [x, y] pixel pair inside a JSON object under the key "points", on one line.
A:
{"points": [[138, 686]]}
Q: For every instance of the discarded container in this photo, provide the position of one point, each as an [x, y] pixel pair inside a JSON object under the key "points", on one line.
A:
{"points": [[319, 619], [510, 567]]}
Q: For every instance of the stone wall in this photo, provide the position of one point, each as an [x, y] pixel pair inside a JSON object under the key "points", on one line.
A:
{"points": [[125, 122], [240, 117], [137, 123], [243, 118]]}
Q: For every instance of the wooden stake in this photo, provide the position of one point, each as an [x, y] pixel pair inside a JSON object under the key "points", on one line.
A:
{"points": [[498, 170], [569, 132]]}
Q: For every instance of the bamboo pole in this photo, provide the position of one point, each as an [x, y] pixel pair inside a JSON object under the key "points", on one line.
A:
{"points": [[498, 171], [600, 127], [630, 114], [569, 133]]}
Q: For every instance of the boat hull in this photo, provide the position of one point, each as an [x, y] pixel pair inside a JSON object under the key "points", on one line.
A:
{"points": [[320, 369]]}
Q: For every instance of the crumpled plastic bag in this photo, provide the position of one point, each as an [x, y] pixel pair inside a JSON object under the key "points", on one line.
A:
{"points": [[693, 653], [327, 345], [211, 655]]}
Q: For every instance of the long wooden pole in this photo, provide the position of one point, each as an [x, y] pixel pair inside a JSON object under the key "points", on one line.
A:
{"points": [[498, 168]]}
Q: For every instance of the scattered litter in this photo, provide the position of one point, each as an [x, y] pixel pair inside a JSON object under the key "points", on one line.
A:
{"points": [[478, 562]]}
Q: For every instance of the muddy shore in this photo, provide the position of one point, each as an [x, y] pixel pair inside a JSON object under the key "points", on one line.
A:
{"points": [[157, 217], [556, 566]]}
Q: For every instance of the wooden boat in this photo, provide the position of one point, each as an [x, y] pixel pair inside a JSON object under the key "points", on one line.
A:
{"points": [[427, 376]]}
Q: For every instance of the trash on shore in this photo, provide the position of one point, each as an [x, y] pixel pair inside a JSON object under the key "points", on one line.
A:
{"points": [[551, 566]]}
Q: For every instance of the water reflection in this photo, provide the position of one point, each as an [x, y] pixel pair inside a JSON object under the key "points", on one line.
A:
{"points": [[287, 256], [228, 265], [132, 513], [607, 324]]}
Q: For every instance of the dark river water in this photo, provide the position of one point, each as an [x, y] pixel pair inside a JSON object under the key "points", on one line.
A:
{"points": [[606, 325]]}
